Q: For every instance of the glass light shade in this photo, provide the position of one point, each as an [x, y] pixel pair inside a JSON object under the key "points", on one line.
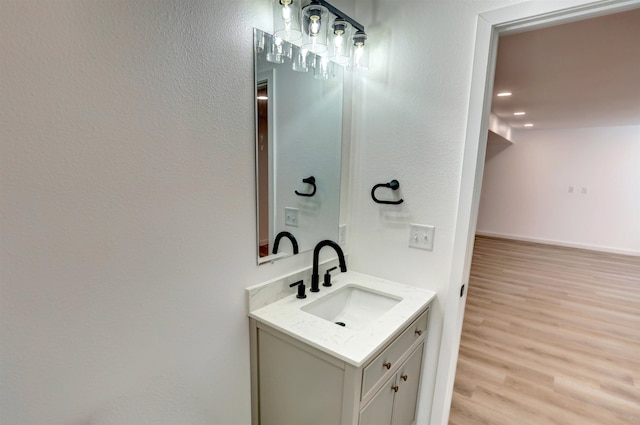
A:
{"points": [[287, 49], [286, 19], [340, 45], [301, 59], [323, 69], [275, 50], [360, 53], [259, 41], [314, 27]]}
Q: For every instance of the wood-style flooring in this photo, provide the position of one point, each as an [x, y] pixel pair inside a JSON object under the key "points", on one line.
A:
{"points": [[551, 335]]}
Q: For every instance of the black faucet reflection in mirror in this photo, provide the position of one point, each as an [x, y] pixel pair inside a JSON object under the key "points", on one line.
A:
{"points": [[312, 181], [393, 185], [289, 236], [315, 276]]}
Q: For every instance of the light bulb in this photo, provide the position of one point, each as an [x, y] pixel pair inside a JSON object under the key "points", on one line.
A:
{"points": [[358, 52], [338, 40], [314, 28], [286, 13]]}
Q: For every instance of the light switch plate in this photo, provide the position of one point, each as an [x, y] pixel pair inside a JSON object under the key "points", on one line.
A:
{"points": [[291, 216], [342, 234], [421, 236]]}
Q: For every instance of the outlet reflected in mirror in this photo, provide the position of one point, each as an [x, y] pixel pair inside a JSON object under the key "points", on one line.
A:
{"points": [[298, 147]]}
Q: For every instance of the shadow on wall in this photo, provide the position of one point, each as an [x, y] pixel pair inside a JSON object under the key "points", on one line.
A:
{"points": [[495, 145]]}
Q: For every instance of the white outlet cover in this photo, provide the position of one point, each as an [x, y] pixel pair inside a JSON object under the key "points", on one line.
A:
{"points": [[291, 216], [421, 236]]}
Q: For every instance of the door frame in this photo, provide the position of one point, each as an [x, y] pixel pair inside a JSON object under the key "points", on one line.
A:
{"points": [[490, 25]]}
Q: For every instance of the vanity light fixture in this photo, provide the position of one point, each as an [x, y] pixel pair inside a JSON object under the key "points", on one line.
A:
{"points": [[286, 20], [276, 50], [339, 50], [360, 59], [300, 60], [315, 27], [323, 69]]}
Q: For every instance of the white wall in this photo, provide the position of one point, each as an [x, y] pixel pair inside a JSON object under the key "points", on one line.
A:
{"points": [[128, 211], [128, 206], [410, 115], [525, 190]]}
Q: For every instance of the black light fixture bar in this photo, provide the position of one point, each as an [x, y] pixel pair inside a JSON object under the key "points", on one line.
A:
{"points": [[357, 25]]}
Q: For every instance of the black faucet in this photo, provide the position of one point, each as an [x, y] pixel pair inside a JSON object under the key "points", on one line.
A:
{"points": [[315, 277], [293, 240]]}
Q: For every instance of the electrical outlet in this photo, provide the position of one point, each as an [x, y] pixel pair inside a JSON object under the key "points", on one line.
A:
{"points": [[291, 217], [342, 234], [421, 236], [571, 188], [584, 190]]}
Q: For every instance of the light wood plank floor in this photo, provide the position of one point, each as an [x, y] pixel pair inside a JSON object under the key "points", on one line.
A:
{"points": [[551, 335]]}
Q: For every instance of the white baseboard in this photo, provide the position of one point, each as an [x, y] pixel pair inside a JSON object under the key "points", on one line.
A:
{"points": [[560, 243]]}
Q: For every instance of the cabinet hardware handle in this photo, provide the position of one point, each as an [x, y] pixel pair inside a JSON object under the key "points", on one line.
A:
{"points": [[404, 377], [387, 365], [395, 388], [418, 332]]}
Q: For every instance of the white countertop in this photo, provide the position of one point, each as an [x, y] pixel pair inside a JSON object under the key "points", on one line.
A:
{"points": [[352, 346]]}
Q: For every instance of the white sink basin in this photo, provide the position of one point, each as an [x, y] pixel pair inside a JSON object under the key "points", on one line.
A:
{"points": [[352, 306]]}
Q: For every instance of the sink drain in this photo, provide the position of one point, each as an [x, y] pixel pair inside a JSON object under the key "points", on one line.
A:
{"points": [[341, 324]]}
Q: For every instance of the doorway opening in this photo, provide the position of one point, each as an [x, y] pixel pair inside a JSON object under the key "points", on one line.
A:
{"points": [[509, 20]]}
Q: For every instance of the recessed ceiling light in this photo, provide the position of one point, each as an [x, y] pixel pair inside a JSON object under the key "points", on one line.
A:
{"points": [[519, 113], [504, 93], [528, 124]]}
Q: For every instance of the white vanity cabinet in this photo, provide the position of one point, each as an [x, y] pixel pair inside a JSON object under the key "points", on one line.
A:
{"points": [[395, 402], [294, 383]]}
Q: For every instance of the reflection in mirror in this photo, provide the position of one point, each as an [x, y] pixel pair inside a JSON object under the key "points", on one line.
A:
{"points": [[298, 147]]}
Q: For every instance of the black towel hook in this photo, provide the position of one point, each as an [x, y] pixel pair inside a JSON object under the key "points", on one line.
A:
{"points": [[393, 185], [312, 181]]}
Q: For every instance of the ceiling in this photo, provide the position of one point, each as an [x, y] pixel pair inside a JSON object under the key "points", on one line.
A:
{"points": [[580, 74]]}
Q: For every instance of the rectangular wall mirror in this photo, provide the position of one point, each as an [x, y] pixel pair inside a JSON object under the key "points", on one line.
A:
{"points": [[298, 109]]}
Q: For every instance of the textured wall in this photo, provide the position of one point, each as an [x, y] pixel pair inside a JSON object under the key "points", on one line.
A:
{"points": [[410, 115], [128, 211], [525, 190], [128, 207]]}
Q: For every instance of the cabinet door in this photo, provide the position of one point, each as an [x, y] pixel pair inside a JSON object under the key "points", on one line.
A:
{"points": [[380, 409], [296, 387], [408, 381]]}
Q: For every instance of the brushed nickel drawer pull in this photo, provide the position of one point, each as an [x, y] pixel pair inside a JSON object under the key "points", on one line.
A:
{"points": [[395, 388], [418, 332], [387, 365]]}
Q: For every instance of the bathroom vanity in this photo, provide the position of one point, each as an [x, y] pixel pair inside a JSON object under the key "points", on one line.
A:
{"points": [[350, 354]]}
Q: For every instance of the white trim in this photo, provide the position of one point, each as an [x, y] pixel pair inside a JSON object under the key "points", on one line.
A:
{"points": [[560, 243], [516, 18]]}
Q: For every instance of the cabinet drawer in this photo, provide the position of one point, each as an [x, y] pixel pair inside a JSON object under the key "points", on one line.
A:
{"points": [[385, 362]]}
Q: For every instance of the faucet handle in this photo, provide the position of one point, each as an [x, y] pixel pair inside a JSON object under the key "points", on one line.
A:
{"points": [[301, 288], [327, 276]]}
